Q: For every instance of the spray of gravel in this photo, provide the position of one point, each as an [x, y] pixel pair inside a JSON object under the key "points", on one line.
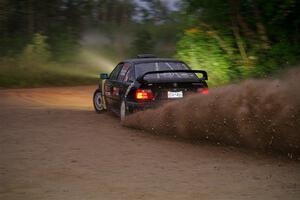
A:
{"points": [[256, 114]]}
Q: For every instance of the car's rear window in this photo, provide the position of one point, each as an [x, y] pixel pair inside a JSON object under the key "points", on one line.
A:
{"points": [[143, 68]]}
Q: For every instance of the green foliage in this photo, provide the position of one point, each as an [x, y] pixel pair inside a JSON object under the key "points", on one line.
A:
{"points": [[231, 39], [281, 54], [36, 53], [34, 67], [143, 42], [257, 38], [63, 46], [201, 51]]}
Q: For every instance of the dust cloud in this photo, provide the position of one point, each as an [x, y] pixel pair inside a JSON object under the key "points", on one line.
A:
{"points": [[256, 114]]}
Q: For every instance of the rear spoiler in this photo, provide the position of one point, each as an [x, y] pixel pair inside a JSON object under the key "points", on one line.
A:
{"points": [[204, 73]]}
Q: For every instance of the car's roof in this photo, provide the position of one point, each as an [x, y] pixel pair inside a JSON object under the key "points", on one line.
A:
{"points": [[147, 60]]}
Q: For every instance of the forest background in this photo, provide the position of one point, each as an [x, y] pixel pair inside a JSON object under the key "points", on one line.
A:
{"points": [[70, 42]]}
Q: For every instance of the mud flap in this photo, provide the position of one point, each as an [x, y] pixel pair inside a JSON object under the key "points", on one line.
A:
{"points": [[128, 89], [103, 94]]}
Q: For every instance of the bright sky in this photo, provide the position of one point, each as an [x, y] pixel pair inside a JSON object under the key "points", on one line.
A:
{"points": [[171, 3]]}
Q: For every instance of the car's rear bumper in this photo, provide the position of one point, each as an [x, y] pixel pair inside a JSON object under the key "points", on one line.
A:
{"points": [[139, 106]]}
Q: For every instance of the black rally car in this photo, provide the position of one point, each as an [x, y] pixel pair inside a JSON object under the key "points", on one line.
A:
{"points": [[145, 82]]}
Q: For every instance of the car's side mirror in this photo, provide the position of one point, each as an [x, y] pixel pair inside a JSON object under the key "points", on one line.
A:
{"points": [[103, 76]]}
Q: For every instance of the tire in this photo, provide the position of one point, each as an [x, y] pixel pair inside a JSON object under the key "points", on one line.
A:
{"points": [[123, 110], [98, 102]]}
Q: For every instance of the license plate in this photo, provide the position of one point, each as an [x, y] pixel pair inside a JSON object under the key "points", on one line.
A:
{"points": [[175, 95]]}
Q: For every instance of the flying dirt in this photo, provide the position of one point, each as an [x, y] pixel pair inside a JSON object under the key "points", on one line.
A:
{"points": [[257, 114]]}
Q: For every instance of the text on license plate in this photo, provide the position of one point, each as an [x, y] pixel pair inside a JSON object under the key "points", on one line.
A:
{"points": [[174, 95]]}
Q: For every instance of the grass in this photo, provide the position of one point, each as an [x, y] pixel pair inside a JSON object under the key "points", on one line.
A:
{"points": [[14, 75]]}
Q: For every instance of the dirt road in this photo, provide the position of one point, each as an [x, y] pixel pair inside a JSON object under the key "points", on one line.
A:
{"points": [[53, 146]]}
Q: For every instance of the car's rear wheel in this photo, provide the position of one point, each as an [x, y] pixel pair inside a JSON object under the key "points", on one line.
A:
{"points": [[98, 101]]}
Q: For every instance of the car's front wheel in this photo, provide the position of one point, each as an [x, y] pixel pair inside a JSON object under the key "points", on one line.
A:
{"points": [[98, 101]]}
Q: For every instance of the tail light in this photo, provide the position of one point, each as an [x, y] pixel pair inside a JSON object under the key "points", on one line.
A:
{"points": [[203, 90], [143, 94]]}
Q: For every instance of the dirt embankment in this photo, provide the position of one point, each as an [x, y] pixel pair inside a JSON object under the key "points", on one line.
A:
{"points": [[258, 114]]}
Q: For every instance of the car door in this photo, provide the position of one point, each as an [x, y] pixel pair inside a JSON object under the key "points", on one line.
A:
{"points": [[120, 86], [110, 84]]}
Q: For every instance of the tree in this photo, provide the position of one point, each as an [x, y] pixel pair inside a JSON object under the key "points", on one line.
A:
{"points": [[265, 33], [201, 50], [143, 42]]}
